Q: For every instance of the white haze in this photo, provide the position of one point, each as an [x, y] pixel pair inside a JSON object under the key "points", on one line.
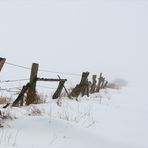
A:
{"points": [[74, 36]]}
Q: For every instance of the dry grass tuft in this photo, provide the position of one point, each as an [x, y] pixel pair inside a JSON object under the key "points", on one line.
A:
{"points": [[39, 99], [4, 100], [1, 126], [7, 115]]}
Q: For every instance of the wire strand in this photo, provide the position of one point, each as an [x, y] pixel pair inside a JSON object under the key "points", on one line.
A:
{"points": [[18, 66], [8, 90], [18, 80], [43, 70]]}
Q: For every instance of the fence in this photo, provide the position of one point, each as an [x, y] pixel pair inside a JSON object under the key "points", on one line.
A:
{"points": [[85, 87]]}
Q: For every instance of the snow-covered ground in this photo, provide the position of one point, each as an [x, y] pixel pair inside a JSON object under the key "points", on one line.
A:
{"points": [[72, 36], [110, 119]]}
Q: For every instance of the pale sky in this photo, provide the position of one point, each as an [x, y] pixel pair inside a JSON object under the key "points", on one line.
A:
{"points": [[109, 36]]}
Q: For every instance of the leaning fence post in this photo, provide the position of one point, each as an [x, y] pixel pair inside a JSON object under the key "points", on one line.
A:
{"points": [[68, 95], [85, 89], [102, 84], [82, 87], [19, 100], [2, 61], [31, 95], [99, 83], [105, 85], [59, 89], [93, 86]]}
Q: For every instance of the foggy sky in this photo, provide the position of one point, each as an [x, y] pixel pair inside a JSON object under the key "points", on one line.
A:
{"points": [[74, 36]]}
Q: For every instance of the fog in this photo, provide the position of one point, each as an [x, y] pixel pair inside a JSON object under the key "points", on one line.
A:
{"points": [[108, 36]]}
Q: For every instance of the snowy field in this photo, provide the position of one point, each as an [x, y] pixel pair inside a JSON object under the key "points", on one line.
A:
{"points": [[110, 119], [68, 37]]}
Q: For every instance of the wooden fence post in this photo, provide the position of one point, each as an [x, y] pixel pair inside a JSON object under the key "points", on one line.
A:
{"points": [[93, 86], [83, 87], [2, 61], [105, 84], [59, 89], [99, 83], [19, 100], [31, 95], [102, 83], [68, 95]]}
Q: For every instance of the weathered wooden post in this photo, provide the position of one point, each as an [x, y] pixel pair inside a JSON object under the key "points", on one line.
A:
{"points": [[68, 95], [93, 86], [84, 85], [105, 84], [85, 89], [81, 88], [59, 89], [19, 100], [31, 95], [84, 77], [2, 61], [99, 83], [102, 83]]}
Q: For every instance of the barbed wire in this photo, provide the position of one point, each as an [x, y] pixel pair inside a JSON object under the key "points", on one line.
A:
{"points": [[43, 70], [28, 68], [18, 80], [11, 88], [8, 90], [18, 66]]}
